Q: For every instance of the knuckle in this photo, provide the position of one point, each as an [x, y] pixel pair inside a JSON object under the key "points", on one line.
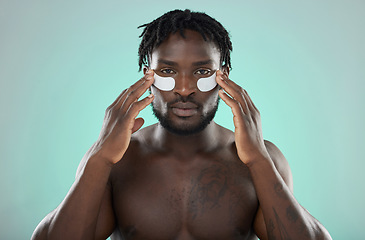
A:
{"points": [[109, 110], [132, 107], [255, 113], [128, 90], [129, 114], [237, 104], [125, 90], [242, 95], [132, 94]]}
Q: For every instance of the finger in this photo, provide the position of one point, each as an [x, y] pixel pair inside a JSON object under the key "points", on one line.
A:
{"points": [[243, 92], [136, 91], [251, 102], [236, 108], [120, 99], [117, 99], [233, 104], [233, 90], [248, 101], [137, 124], [229, 86], [247, 97], [138, 106]]}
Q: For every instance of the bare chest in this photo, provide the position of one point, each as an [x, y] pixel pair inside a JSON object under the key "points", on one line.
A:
{"points": [[162, 199]]}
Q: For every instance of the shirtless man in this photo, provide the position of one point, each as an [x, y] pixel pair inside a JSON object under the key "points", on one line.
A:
{"points": [[185, 177]]}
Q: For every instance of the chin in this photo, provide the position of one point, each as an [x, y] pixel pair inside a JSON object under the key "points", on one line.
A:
{"points": [[185, 126]]}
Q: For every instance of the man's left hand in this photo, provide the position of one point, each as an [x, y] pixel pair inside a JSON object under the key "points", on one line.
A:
{"points": [[247, 121]]}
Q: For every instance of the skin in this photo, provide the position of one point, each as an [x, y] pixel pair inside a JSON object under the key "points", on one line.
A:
{"points": [[154, 184]]}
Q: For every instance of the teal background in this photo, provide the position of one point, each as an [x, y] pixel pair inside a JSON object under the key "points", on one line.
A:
{"points": [[62, 63]]}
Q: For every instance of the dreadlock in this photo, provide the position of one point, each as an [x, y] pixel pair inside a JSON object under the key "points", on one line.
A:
{"points": [[157, 31]]}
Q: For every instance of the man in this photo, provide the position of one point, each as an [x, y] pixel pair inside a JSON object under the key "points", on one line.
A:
{"points": [[185, 177]]}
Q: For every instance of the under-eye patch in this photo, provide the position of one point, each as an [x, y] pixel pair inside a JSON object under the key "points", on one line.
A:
{"points": [[168, 83], [164, 83], [207, 84]]}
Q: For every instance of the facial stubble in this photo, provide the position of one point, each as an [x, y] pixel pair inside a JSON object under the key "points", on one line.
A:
{"points": [[182, 130]]}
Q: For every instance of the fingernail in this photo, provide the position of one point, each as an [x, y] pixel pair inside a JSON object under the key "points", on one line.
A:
{"points": [[149, 71], [150, 96]]}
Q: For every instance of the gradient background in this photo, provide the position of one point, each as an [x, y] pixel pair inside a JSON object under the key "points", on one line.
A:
{"points": [[62, 63]]}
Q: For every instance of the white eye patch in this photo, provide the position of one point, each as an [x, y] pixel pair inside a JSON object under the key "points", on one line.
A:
{"points": [[207, 84], [164, 83], [168, 83]]}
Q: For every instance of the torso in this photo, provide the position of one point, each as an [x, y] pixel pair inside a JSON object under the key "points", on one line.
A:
{"points": [[157, 195]]}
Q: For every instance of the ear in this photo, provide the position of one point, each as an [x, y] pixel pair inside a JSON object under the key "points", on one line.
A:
{"points": [[145, 69]]}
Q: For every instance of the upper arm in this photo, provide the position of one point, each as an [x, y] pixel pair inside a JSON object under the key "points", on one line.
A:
{"points": [[105, 224], [104, 227], [282, 166]]}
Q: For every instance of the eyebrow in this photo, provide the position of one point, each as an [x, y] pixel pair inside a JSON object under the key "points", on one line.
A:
{"points": [[172, 63], [200, 63], [167, 62]]}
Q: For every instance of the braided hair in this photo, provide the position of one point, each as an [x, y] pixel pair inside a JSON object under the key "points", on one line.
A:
{"points": [[157, 31]]}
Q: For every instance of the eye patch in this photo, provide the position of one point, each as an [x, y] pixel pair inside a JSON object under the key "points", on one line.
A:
{"points": [[164, 83], [168, 83], [207, 84]]}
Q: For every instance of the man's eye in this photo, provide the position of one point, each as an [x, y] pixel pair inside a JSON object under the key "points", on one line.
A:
{"points": [[167, 71], [203, 71]]}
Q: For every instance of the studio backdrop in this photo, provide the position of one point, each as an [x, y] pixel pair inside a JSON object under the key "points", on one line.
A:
{"points": [[62, 63]]}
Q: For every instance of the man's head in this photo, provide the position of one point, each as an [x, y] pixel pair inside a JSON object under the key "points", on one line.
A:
{"points": [[186, 46]]}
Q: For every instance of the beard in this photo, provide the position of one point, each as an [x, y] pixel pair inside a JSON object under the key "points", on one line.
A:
{"points": [[185, 129]]}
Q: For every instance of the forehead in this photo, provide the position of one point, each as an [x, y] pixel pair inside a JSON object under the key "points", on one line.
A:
{"points": [[186, 50]]}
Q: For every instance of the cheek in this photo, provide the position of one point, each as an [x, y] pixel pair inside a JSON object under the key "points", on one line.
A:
{"points": [[159, 101], [211, 102]]}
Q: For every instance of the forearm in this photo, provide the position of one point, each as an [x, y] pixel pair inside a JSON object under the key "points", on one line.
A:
{"points": [[284, 217], [76, 216]]}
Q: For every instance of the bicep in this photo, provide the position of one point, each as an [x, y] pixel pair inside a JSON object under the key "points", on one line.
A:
{"points": [[282, 166], [104, 227]]}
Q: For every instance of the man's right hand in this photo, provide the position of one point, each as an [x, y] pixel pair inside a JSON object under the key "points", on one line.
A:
{"points": [[120, 120]]}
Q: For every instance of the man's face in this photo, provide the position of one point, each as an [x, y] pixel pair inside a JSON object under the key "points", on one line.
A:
{"points": [[185, 110]]}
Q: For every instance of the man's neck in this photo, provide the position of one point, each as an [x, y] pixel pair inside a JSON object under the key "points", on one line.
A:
{"points": [[188, 145]]}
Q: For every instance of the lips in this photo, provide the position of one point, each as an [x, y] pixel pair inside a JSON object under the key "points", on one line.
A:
{"points": [[184, 109]]}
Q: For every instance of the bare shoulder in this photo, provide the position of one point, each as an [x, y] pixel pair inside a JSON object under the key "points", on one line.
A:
{"points": [[280, 163], [142, 139], [225, 136], [140, 145], [143, 134]]}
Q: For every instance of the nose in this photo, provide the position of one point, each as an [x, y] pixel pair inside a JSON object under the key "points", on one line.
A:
{"points": [[185, 85]]}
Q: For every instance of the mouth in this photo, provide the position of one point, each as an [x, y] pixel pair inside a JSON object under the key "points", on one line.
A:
{"points": [[184, 112]]}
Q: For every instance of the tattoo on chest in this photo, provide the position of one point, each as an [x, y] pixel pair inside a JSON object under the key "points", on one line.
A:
{"points": [[207, 190], [215, 187]]}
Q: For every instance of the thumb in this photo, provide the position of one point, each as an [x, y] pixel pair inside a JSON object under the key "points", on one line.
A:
{"points": [[138, 122]]}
